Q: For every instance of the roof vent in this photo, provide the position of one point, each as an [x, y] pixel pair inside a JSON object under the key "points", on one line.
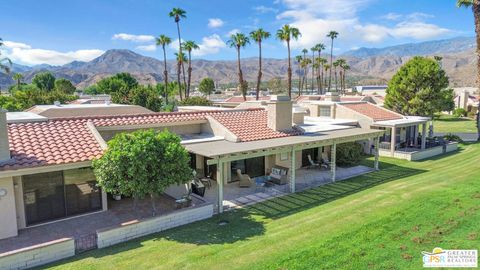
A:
{"points": [[56, 103]]}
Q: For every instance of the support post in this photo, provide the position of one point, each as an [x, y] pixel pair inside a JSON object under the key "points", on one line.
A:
{"points": [[377, 152], [220, 176], [415, 135], [393, 135], [293, 166], [333, 162], [424, 135]]}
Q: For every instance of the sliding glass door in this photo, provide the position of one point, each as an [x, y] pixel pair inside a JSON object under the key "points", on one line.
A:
{"points": [[253, 167], [55, 195]]}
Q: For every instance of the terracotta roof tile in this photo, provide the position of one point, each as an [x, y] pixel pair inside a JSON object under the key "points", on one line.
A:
{"points": [[250, 125], [372, 111]]}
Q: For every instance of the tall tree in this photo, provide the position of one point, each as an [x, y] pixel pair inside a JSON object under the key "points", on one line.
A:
{"points": [[322, 62], [181, 58], [189, 46], [304, 65], [298, 60], [314, 65], [163, 41], [326, 67], [332, 35], [320, 47], [258, 36], [420, 87], [206, 86], [44, 81], [475, 5], [345, 67], [335, 66], [239, 41], [5, 63], [18, 78], [177, 14], [287, 33], [340, 63]]}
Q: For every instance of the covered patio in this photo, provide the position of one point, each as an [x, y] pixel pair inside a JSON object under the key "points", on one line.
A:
{"points": [[285, 152], [306, 178]]}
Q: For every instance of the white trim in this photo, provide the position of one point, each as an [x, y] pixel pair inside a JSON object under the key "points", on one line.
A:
{"points": [[47, 168]]}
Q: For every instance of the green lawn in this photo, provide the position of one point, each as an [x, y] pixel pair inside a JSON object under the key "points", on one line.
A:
{"points": [[450, 124], [382, 220]]}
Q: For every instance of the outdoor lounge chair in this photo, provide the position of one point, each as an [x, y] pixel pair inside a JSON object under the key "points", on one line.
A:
{"points": [[279, 175], [325, 161], [313, 164], [244, 179]]}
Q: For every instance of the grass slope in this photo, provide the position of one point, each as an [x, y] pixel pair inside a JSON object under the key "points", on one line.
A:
{"points": [[451, 124], [382, 220]]}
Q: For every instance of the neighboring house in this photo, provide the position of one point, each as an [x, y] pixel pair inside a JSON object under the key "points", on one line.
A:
{"points": [[465, 100], [45, 164], [72, 110], [371, 89]]}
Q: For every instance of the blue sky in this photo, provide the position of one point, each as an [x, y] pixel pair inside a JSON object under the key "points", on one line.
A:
{"points": [[57, 32]]}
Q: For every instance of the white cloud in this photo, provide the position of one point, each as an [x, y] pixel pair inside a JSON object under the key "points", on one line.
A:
{"points": [[316, 18], [215, 23], [134, 38], [210, 45], [25, 54], [232, 32], [264, 9], [148, 48]]}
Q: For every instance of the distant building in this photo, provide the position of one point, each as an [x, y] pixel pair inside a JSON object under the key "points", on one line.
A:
{"points": [[371, 89]]}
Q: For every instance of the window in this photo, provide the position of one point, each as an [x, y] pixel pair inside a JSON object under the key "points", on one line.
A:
{"points": [[325, 111], [253, 167], [54, 195]]}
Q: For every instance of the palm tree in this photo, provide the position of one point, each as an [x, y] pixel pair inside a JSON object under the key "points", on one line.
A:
{"points": [[181, 58], [5, 63], [345, 67], [287, 33], [189, 46], [304, 65], [320, 47], [163, 41], [326, 67], [314, 66], [475, 4], [177, 14], [239, 41], [339, 63], [322, 62], [298, 60], [335, 65], [18, 78], [259, 35], [332, 35]]}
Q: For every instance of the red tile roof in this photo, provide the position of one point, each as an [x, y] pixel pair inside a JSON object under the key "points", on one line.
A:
{"points": [[372, 111], [69, 140], [250, 125]]}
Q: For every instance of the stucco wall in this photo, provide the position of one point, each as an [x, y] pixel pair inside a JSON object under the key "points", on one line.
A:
{"points": [[37, 255], [111, 236], [345, 113], [8, 215], [419, 155]]}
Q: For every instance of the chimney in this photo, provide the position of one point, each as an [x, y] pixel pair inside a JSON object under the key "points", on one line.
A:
{"points": [[279, 110], [332, 96], [4, 145], [299, 114]]}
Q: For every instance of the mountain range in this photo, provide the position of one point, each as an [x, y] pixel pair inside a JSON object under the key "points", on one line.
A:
{"points": [[368, 65]]}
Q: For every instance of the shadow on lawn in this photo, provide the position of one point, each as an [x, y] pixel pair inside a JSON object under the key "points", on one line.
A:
{"points": [[242, 224], [293, 203]]}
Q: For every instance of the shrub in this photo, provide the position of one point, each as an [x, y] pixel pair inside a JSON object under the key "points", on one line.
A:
{"points": [[195, 101], [452, 137], [471, 114], [459, 112], [349, 154]]}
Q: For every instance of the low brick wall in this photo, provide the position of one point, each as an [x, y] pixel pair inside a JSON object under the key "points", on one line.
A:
{"points": [[37, 255], [114, 235]]}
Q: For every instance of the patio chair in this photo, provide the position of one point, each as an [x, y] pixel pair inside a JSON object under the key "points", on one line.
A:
{"points": [[185, 201], [313, 164], [325, 161], [244, 179]]}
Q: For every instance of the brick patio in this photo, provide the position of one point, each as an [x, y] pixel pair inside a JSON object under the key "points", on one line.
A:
{"points": [[82, 227]]}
